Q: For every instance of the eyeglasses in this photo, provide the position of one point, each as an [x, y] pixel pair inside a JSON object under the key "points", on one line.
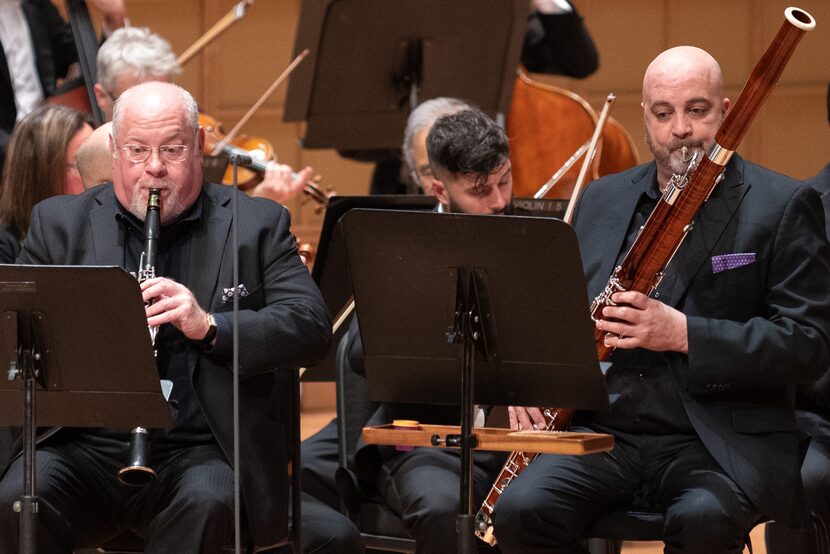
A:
{"points": [[139, 153]]}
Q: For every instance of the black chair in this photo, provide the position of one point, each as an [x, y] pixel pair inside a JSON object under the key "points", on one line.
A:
{"points": [[607, 534], [380, 528]]}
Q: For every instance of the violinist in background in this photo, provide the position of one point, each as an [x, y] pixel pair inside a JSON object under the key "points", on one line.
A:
{"points": [[812, 413], [130, 56], [135, 55], [38, 49]]}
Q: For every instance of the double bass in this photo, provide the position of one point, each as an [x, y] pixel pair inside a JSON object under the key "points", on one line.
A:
{"points": [[546, 125], [79, 94]]}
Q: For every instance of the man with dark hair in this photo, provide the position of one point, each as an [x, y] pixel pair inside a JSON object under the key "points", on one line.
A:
{"points": [[812, 403], [421, 486], [470, 160], [468, 154], [414, 147], [704, 367]]}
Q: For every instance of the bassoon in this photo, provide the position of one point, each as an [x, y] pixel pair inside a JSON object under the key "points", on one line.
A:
{"points": [[669, 223]]}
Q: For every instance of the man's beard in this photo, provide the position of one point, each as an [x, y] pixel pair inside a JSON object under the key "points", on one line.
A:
{"points": [[673, 159], [170, 204]]}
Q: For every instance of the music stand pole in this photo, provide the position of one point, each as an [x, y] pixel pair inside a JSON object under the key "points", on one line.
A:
{"points": [[466, 330], [466, 520], [27, 505]]}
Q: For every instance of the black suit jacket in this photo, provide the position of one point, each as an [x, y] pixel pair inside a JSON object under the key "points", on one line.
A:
{"points": [[816, 397], [54, 49], [754, 331], [559, 44], [821, 182], [283, 322]]}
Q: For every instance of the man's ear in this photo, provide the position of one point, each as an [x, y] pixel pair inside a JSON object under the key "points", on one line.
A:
{"points": [[439, 191], [101, 96]]}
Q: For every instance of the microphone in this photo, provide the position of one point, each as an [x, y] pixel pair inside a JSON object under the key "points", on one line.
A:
{"points": [[240, 159]]}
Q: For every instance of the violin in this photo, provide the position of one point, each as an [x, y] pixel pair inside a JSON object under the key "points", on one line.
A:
{"points": [[261, 151]]}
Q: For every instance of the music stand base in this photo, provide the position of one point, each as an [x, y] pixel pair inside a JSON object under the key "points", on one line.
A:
{"points": [[465, 529]]}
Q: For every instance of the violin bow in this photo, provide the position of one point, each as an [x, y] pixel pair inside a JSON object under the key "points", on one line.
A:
{"points": [[589, 157], [235, 14], [258, 104]]}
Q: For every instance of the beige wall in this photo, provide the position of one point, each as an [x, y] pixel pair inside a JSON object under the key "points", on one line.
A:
{"points": [[790, 135]]}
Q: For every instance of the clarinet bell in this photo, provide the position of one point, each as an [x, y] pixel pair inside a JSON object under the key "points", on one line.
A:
{"points": [[138, 472]]}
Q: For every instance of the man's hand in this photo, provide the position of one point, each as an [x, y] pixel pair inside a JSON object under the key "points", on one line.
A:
{"points": [[278, 183], [550, 6], [643, 322], [525, 418], [174, 303], [114, 13]]}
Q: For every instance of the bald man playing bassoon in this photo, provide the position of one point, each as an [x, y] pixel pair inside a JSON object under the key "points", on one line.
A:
{"points": [[703, 369]]}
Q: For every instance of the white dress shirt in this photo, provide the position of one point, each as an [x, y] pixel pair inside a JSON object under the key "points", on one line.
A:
{"points": [[16, 39]]}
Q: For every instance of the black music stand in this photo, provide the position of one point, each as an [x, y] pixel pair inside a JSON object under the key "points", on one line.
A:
{"points": [[509, 289], [330, 271], [371, 61], [79, 355]]}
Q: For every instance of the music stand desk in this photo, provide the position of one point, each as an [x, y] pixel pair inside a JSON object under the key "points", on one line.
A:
{"points": [[491, 438], [460, 309], [77, 352]]}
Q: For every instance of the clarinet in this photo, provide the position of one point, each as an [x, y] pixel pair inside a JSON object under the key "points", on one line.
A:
{"points": [[137, 472]]}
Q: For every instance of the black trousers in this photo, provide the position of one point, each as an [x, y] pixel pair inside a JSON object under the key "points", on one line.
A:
{"points": [[423, 487], [547, 508], [188, 508], [815, 474], [320, 462]]}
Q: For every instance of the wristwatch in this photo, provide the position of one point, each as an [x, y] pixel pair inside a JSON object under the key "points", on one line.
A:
{"points": [[211, 332]]}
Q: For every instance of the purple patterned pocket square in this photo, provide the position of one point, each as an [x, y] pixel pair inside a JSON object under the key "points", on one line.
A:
{"points": [[725, 262]]}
